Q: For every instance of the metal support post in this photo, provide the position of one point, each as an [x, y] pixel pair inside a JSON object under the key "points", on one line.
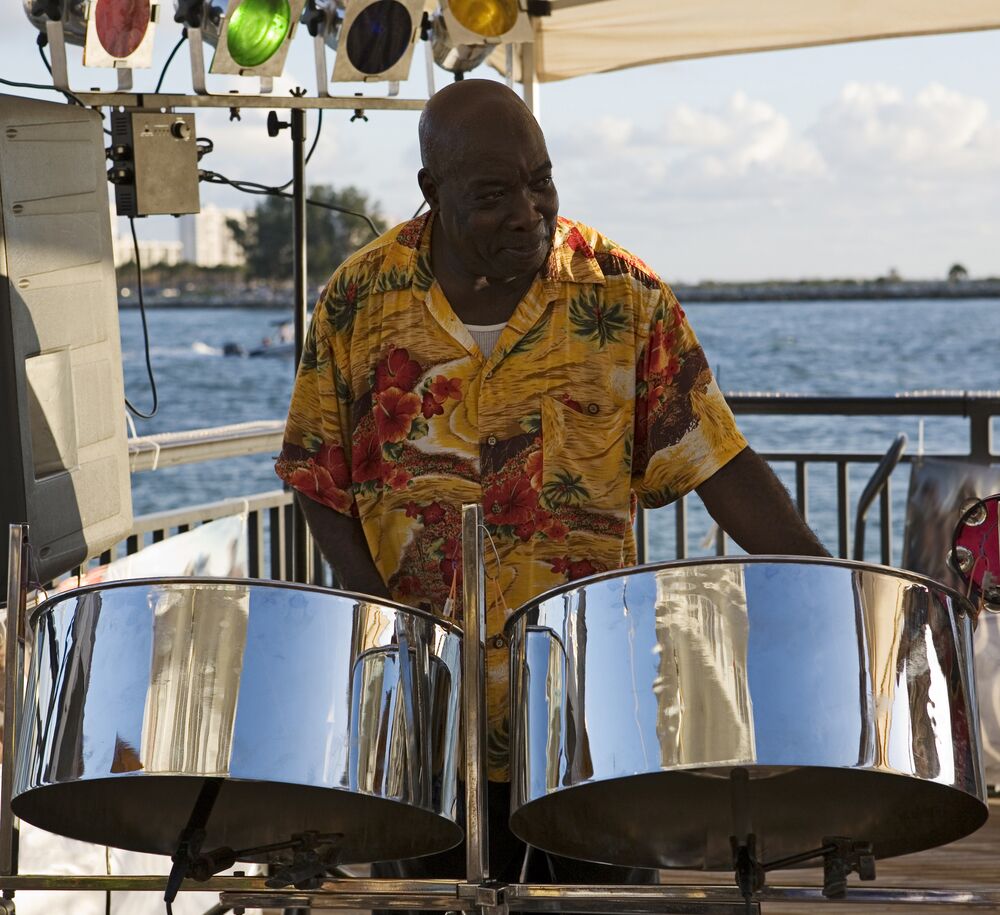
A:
{"points": [[301, 553], [17, 593], [477, 862], [529, 82]]}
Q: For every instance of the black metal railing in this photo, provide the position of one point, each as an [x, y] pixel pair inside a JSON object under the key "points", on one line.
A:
{"points": [[679, 531]]}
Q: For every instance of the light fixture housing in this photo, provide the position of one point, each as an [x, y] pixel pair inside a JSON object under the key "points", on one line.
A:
{"points": [[255, 36], [72, 14], [120, 33], [466, 32], [375, 41]]}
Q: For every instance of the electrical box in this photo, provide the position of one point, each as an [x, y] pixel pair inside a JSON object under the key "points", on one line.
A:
{"points": [[154, 163]]}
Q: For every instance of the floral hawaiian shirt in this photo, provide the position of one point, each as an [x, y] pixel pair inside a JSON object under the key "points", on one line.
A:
{"points": [[596, 396]]}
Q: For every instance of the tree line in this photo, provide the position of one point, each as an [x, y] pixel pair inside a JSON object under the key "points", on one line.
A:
{"points": [[331, 234]]}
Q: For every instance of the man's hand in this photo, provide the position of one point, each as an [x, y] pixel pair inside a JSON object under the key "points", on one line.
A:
{"points": [[342, 542], [751, 505]]}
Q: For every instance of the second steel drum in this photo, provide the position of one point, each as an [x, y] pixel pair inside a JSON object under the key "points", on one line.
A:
{"points": [[318, 711], [660, 710]]}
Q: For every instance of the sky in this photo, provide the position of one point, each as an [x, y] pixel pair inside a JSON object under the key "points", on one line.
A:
{"points": [[839, 161]]}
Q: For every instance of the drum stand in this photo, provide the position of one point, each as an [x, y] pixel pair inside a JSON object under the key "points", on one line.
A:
{"points": [[477, 893]]}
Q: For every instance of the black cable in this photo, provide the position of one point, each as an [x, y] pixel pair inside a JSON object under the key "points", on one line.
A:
{"points": [[264, 190], [42, 42], [145, 334], [69, 95], [419, 209], [312, 148], [170, 58]]}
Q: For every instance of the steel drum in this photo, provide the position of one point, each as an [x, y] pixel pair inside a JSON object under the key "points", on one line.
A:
{"points": [[320, 710], [660, 710]]}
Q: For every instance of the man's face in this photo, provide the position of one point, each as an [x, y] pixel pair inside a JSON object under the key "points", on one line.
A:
{"points": [[497, 206]]}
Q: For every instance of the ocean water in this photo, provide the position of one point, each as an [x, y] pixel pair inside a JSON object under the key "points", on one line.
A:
{"points": [[817, 348]]}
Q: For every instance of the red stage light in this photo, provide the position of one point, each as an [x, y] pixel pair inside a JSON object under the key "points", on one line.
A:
{"points": [[121, 25]]}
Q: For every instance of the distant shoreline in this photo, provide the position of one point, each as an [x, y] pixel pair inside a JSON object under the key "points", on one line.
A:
{"points": [[823, 291], [790, 291]]}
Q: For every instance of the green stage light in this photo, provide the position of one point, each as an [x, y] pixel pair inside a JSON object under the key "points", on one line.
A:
{"points": [[257, 29], [255, 36]]}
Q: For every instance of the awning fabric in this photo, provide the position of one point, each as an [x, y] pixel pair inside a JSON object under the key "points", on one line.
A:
{"points": [[605, 35]]}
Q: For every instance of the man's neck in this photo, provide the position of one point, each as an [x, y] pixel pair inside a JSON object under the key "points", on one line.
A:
{"points": [[475, 299]]}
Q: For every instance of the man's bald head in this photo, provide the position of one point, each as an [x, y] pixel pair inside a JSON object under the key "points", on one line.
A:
{"points": [[464, 115], [488, 180]]}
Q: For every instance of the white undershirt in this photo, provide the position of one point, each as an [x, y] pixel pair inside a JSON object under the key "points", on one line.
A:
{"points": [[486, 336]]}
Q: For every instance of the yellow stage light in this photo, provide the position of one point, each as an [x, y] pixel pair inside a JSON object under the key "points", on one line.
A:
{"points": [[467, 31]]}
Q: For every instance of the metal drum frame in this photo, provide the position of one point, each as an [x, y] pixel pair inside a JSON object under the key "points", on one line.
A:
{"points": [[477, 893]]}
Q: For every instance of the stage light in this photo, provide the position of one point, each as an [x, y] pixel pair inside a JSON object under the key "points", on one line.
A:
{"points": [[466, 32], [489, 18], [375, 42], [120, 33], [113, 33], [73, 16], [255, 36]]}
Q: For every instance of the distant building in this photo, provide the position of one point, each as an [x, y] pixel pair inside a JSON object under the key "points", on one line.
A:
{"points": [[152, 252], [207, 240]]}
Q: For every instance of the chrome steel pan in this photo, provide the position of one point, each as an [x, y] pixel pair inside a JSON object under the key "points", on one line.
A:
{"points": [[321, 711], [844, 691]]}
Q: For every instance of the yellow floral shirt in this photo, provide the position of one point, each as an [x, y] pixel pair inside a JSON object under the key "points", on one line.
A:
{"points": [[596, 395]]}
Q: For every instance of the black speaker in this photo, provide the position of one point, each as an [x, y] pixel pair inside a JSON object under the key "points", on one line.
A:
{"points": [[63, 448]]}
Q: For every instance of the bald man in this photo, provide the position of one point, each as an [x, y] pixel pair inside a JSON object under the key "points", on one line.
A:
{"points": [[493, 352]]}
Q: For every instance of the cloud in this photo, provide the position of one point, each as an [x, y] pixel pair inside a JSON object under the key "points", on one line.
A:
{"points": [[874, 129], [877, 177]]}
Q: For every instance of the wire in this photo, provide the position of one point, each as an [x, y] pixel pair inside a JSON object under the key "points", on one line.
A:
{"points": [[419, 209], [145, 337], [70, 97], [264, 190], [177, 47], [312, 148]]}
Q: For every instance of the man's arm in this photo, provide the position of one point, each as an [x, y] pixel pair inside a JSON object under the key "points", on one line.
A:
{"points": [[751, 505], [342, 541]]}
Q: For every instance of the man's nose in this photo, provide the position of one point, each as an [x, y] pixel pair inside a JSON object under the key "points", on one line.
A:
{"points": [[524, 214]]}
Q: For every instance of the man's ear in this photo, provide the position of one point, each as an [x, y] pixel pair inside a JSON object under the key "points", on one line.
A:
{"points": [[428, 187]]}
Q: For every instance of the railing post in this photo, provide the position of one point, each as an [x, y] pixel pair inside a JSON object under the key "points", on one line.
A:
{"points": [[980, 430]]}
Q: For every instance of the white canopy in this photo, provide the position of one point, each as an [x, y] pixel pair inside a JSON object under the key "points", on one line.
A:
{"points": [[596, 36]]}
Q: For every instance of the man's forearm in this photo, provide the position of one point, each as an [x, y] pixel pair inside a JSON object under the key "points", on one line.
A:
{"points": [[342, 542], [750, 503]]}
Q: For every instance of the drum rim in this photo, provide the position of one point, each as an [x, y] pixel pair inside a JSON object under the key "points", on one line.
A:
{"points": [[962, 603], [267, 583]]}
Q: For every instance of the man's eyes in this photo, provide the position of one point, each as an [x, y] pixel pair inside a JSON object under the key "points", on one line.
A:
{"points": [[539, 184]]}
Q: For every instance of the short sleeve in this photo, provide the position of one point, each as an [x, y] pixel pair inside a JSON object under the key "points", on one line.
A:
{"points": [[684, 430], [315, 453]]}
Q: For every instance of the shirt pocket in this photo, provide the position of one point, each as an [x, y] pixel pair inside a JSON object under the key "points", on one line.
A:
{"points": [[584, 459]]}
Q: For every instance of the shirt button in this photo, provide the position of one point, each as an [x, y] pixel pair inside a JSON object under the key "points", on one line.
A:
{"points": [[496, 508], [498, 641], [491, 441], [489, 374], [593, 409]]}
